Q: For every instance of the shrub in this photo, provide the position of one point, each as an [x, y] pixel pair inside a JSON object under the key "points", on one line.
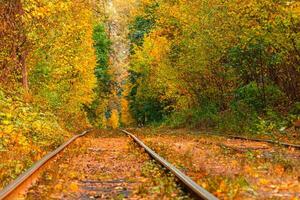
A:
{"points": [[27, 132], [205, 117], [252, 95]]}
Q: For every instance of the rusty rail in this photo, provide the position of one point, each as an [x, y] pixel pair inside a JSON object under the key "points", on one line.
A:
{"points": [[197, 190], [231, 136], [263, 140], [12, 191]]}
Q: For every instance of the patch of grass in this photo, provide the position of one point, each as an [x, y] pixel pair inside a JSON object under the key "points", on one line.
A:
{"points": [[160, 184], [251, 155], [119, 197], [159, 148], [281, 160], [163, 184], [227, 151], [226, 187]]}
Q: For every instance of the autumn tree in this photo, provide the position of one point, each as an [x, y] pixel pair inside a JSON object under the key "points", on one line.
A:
{"points": [[14, 44], [46, 53], [215, 61], [98, 109]]}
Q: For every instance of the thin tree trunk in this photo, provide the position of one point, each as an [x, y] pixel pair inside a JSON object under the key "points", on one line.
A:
{"points": [[25, 83], [23, 50], [263, 79]]}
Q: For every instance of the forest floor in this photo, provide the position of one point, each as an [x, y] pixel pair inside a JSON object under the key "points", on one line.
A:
{"points": [[229, 168]]}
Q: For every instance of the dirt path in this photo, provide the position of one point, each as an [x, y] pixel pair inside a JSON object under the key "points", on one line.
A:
{"points": [[103, 165]]}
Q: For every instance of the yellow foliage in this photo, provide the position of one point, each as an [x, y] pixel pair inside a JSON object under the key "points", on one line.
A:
{"points": [[126, 118], [74, 187], [62, 44], [264, 181], [104, 121], [25, 131], [58, 186], [114, 119]]}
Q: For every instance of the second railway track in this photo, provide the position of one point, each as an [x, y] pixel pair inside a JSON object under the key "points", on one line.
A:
{"points": [[274, 142], [20, 185], [296, 146]]}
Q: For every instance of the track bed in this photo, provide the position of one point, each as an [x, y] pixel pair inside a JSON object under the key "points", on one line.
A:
{"points": [[105, 165]]}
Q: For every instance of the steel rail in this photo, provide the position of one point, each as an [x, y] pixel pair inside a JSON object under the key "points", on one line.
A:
{"points": [[10, 189], [265, 140], [296, 146], [199, 192]]}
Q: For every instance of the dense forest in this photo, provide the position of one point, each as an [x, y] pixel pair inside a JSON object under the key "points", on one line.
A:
{"points": [[230, 66], [47, 75]]}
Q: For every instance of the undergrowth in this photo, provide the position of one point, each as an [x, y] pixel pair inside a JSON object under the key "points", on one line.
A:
{"points": [[163, 184], [27, 132]]}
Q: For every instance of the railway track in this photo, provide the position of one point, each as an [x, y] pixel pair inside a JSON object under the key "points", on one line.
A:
{"points": [[275, 142], [266, 141], [18, 186], [24, 181], [197, 190]]}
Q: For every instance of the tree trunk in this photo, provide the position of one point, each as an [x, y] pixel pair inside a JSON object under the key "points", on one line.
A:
{"points": [[23, 66]]}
